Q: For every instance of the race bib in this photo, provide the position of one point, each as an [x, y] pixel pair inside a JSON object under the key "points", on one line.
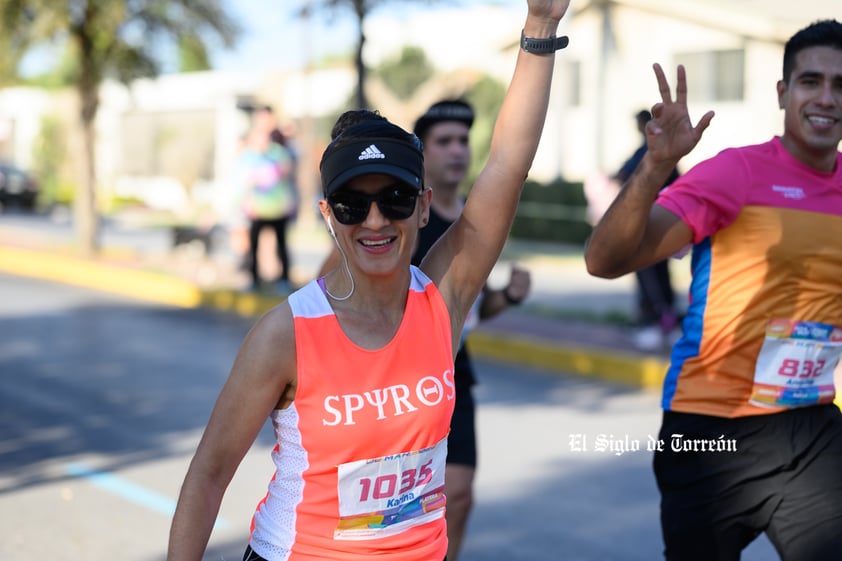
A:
{"points": [[384, 496], [796, 363]]}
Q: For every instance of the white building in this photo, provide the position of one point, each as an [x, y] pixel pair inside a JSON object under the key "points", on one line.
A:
{"points": [[732, 50]]}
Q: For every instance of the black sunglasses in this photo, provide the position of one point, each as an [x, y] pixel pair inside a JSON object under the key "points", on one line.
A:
{"points": [[351, 207]]}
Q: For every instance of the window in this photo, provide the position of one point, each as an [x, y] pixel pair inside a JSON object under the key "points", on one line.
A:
{"points": [[715, 75]]}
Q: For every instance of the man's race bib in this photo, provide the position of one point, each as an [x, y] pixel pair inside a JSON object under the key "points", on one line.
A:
{"points": [[796, 363], [384, 496]]}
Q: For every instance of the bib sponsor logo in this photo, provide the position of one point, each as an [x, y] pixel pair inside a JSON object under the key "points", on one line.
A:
{"points": [[391, 401]]}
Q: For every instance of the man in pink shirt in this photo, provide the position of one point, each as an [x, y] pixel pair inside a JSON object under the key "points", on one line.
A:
{"points": [[751, 439]]}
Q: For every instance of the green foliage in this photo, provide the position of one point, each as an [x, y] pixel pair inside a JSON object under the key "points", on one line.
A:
{"points": [[65, 193], [553, 212], [486, 96], [406, 72], [130, 63], [106, 38], [48, 153], [192, 55], [14, 39], [117, 203]]}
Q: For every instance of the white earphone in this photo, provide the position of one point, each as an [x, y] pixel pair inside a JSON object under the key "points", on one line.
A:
{"points": [[344, 263]]}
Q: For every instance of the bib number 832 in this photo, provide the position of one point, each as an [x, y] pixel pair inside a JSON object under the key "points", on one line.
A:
{"points": [[794, 368]]}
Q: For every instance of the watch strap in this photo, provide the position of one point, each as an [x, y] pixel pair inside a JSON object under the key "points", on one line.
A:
{"points": [[542, 46]]}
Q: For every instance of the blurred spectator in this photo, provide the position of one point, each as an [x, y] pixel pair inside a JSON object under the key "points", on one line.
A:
{"points": [[444, 130], [267, 191]]}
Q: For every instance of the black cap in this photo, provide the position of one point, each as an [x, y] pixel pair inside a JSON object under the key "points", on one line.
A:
{"points": [[443, 111], [372, 147], [643, 115]]}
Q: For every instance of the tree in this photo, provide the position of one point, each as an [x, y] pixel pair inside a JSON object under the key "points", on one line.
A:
{"points": [[108, 38], [361, 10], [13, 41], [405, 73], [486, 95], [192, 55]]}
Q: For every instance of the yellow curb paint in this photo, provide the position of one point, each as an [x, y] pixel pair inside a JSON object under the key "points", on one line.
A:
{"points": [[642, 372], [246, 305], [143, 285]]}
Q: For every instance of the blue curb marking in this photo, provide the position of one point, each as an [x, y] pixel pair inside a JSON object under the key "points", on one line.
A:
{"points": [[125, 489]]}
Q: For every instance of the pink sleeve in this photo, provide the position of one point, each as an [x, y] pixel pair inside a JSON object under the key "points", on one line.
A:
{"points": [[710, 195]]}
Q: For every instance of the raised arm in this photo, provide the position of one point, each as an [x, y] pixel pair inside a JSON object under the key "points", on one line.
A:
{"points": [[462, 259], [634, 232]]}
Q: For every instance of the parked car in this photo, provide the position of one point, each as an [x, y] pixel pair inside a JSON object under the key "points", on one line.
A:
{"points": [[17, 187]]}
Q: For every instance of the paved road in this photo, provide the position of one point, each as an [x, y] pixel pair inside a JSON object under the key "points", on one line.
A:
{"points": [[102, 402]]}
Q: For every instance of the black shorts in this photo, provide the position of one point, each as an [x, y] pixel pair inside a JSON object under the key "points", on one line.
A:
{"points": [[250, 555], [462, 440], [734, 478]]}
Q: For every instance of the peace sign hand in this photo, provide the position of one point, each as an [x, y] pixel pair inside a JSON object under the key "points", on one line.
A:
{"points": [[670, 135]]}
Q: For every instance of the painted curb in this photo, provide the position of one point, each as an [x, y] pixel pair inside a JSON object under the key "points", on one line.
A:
{"points": [[135, 283], [638, 371]]}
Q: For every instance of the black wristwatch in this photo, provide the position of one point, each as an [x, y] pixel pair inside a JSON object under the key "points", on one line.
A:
{"points": [[542, 46]]}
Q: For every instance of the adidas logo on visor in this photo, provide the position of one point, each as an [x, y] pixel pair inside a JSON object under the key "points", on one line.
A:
{"points": [[372, 153]]}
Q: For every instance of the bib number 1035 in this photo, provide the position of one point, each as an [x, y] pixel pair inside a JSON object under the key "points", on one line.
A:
{"points": [[386, 486], [383, 496]]}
